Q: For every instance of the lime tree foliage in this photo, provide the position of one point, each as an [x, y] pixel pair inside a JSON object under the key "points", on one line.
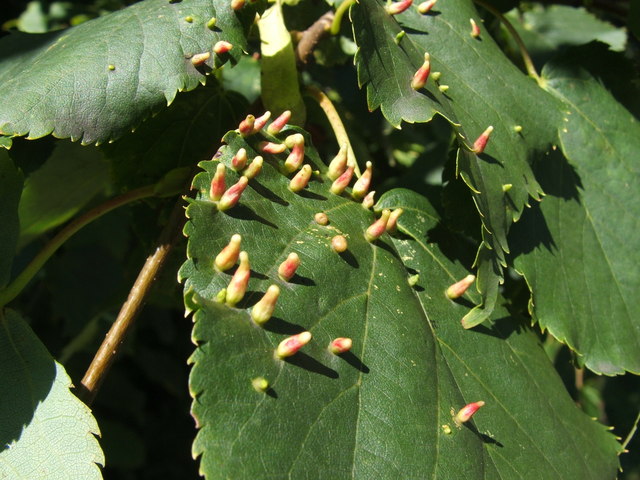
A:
{"points": [[403, 235]]}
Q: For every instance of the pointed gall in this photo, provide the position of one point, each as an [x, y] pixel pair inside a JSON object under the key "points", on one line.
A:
{"points": [[395, 8], [221, 296], [413, 280], [218, 185], [422, 75], [239, 160], [222, 47], [237, 4], [480, 144], [368, 201], [254, 168], [246, 126], [425, 7], [296, 156], [262, 311], [377, 228], [457, 289], [261, 121], [446, 429], [239, 282], [211, 24], [287, 269], [475, 29], [228, 256], [465, 414], [231, 197], [279, 123], [392, 224], [260, 384], [361, 187], [506, 187], [289, 346], [342, 182], [321, 218], [517, 128], [339, 164], [301, 179], [443, 88], [273, 148], [199, 58], [339, 244], [340, 345]]}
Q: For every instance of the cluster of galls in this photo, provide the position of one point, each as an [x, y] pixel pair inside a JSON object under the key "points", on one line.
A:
{"points": [[263, 310]]}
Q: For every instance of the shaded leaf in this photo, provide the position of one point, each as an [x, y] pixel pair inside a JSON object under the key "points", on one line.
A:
{"points": [[96, 81], [574, 250], [71, 177], [11, 181], [46, 432], [378, 411], [484, 89]]}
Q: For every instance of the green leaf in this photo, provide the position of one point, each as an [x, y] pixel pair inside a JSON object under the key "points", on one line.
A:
{"points": [[179, 136], [71, 177], [46, 432], [546, 29], [11, 181], [484, 89], [379, 410], [575, 249], [96, 81]]}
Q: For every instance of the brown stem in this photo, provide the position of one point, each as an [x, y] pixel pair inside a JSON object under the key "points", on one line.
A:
{"points": [[312, 35], [112, 343]]}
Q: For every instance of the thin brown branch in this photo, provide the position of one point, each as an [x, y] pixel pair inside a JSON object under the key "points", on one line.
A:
{"points": [[312, 35], [112, 343]]}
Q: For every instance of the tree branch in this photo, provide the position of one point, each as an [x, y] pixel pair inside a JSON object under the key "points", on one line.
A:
{"points": [[312, 35]]}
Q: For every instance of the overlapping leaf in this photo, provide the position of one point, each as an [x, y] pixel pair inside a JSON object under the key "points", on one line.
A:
{"points": [[378, 411], [45, 431], [577, 250], [96, 81], [484, 89]]}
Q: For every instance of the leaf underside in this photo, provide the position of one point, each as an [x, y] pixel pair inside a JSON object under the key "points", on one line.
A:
{"points": [[45, 431], [379, 410], [98, 80]]}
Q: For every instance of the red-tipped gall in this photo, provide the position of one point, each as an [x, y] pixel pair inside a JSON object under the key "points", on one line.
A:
{"points": [[199, 58], [339, 244], [342, 182], [368, 201], [231, 197], [218, 185], [361, 187], [237, 4], [466, 412], [425, 7], [238, 285], [279, 123], [340, 345], [457, 289], [239, 160], [301, 179], [228, 256], [475, 29], [287, 269], [222, 47], [261, 121], [422, 75], [339, 164], [321, 218], [246, 126], [377, 228], [392, 224], [262, 311], [273, 148], [289, 346], [480, 144], [296, 156], [254, 168], [395, 8]]}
